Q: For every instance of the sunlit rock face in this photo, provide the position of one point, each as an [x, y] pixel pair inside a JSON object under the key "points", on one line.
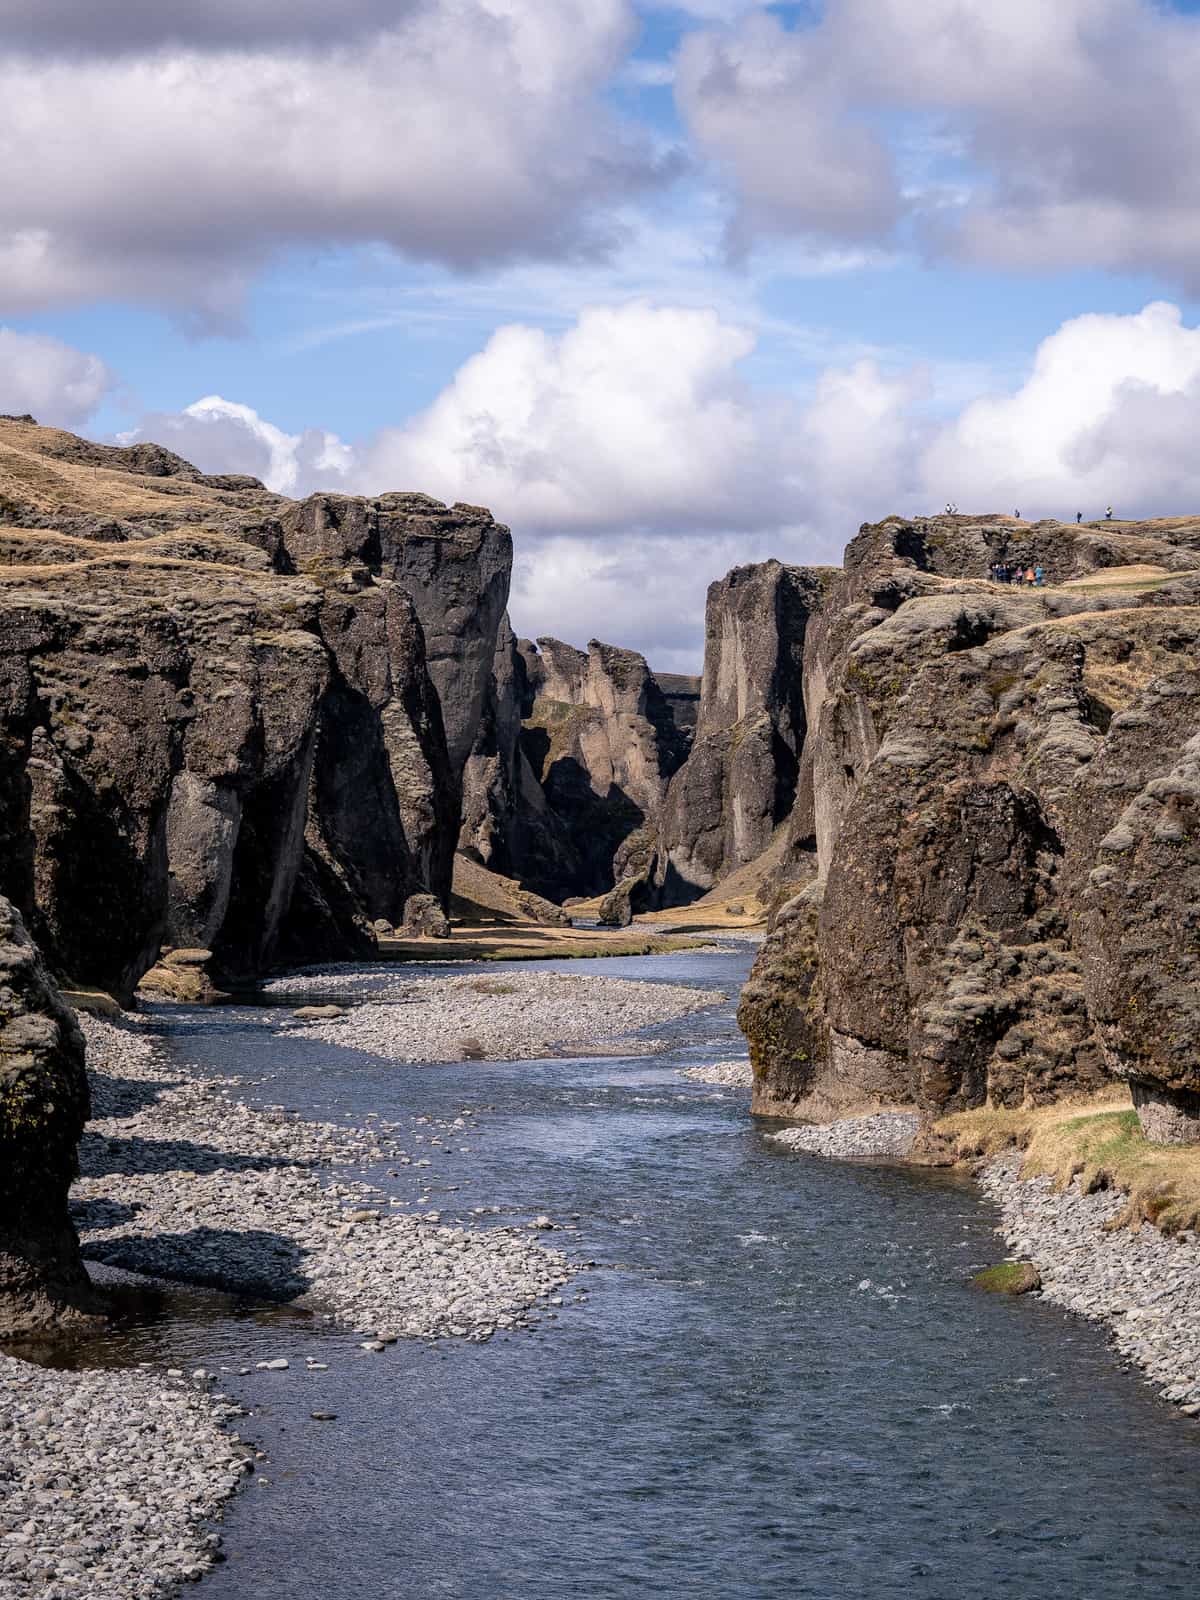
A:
{"points": [[997, 806]]}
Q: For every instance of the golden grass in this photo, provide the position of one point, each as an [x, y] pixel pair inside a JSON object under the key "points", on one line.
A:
{"points": [[1100, 1142]]}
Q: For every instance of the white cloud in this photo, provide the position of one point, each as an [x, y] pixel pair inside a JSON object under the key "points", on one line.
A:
{"points": [[1103, 417], [636, 465], [635, 417], [473, 131], [1018, 135], [52, 381], [220, 435]]}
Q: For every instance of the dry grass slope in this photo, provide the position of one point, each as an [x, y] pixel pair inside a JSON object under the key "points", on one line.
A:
{"points": [[1098, 1141]]}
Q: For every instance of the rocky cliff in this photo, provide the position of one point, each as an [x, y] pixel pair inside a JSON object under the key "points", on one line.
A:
{"points": [[571, 765], [224, 716], [233, 732], [739, 781], [995, 809], [43, 1106]]}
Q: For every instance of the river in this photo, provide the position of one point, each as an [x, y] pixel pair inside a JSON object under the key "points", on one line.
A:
{"points": [[780, 1381]]}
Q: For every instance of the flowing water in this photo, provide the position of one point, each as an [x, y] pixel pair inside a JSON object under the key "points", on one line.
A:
{"points": [[780, 1382]]}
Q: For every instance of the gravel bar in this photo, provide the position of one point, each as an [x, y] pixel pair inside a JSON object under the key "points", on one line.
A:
{"points": [[889, 1133], [1144, 1287], [108, 1482], [511, 1017], [184, 1181], [725, 1074]]}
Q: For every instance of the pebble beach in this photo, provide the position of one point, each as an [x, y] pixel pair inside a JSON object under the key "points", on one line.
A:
{"points": [[110, 1480], [1142, 1286], [513, 1016]]}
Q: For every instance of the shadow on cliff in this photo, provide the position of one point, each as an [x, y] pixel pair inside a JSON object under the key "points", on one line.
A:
{"points": [[255, 1262]]}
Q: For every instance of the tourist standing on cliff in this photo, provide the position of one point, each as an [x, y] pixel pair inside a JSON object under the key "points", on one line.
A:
{"points": [[1079, 516], [1038, 576], [1108, 515]]}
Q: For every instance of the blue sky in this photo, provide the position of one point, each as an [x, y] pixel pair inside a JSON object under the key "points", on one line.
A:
{"points": [[669, 287]]}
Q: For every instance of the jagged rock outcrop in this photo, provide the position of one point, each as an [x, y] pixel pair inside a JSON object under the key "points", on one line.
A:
{"points": [[43, 1107], [507, 821], [988, 773], [739, 780], [601, 741], [220, 728], [454, 563]]}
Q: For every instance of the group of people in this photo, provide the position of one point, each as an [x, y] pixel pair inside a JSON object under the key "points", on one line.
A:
{"points": [[1004, 572], [952, 511]]}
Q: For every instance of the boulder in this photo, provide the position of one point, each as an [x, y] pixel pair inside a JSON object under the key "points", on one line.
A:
{"points": [[424, 919]]}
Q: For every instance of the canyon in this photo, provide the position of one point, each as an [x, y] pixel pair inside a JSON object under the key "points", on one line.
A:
{"points": [[240, 732]]}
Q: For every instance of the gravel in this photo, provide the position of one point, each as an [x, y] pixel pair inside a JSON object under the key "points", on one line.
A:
{"points": [[108, 1481], [1144, 1287], [890, 1133], [510, 1017], [181, 1180], [726, 1074]]}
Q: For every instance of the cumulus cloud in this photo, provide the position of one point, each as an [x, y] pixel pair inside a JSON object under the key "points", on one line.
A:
{"points": [[636, 465], [1102, 417], [635, 417], [1066, 134], [54, 382], [220, 435], [472, 132]]}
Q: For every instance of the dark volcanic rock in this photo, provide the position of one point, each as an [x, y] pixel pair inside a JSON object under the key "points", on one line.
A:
{"points": [[219, 728], [601, 741], [454, 562], [159, 738], [739, 781], [43, 1107], [999, 786]]}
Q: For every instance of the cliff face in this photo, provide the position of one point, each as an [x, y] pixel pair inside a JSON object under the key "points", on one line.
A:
{"points": [[219, 725], [43, 1106], [739, 781], [453, 562], [995, 806], [570, 767], [602, 743]]}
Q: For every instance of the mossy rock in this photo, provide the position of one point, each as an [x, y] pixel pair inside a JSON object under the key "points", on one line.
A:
{"points": [[1010, 1277]]}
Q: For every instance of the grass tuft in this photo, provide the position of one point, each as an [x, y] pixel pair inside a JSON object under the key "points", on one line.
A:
{"points": [[1099, 1142]]}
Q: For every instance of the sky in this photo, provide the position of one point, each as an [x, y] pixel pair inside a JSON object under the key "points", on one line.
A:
{"points": [[670, 288]]}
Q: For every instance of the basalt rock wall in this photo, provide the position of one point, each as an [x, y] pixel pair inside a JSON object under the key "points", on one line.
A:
{"points": [[740, 779], [1001, 834], [221, 725], [43, 1106], [601, 742]]}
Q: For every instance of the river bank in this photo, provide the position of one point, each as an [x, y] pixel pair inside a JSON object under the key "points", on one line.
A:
{"points": [[112, 1479], [1141, 1285]]}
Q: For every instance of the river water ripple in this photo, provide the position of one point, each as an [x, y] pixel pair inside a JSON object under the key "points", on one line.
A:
{"points": [[780, 1384]]}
